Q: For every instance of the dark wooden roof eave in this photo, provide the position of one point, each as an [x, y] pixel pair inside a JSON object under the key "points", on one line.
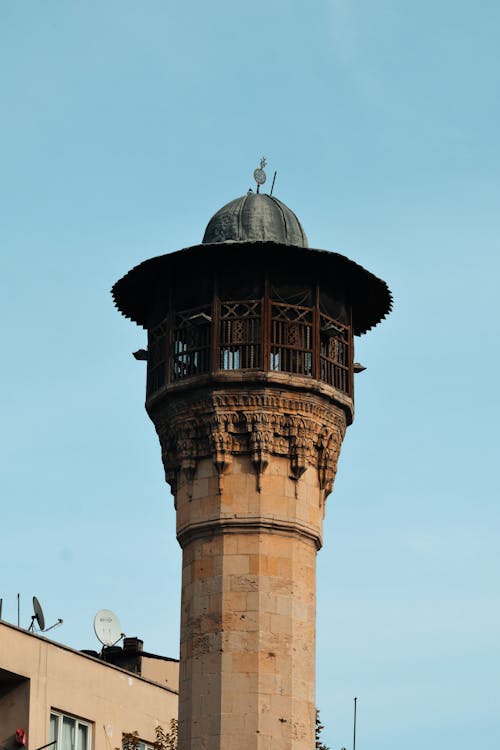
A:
{"points": [[370, 296]]}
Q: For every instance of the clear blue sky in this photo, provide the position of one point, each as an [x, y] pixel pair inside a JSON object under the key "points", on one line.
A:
{"points": [[125, 125]]}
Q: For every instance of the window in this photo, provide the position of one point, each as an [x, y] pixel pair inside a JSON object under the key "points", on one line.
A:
{"points": [[68, 732], [131, 741]]}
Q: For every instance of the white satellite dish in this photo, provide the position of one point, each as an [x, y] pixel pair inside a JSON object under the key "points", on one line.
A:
{"points": [[107, 627]]}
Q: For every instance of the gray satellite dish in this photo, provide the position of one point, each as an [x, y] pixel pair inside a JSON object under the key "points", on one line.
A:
{"points": [[39, 613], [38, 616], [107, 627]]}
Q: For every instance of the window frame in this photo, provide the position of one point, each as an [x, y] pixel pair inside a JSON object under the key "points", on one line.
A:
{"points": [[60, 716]]}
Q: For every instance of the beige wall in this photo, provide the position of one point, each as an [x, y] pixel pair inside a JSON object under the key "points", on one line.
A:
{"points": [[163, 672], [111, 699]]}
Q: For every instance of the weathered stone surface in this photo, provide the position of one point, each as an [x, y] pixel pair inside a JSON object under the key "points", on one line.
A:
{"points": [[222, 424], [250, 472]]}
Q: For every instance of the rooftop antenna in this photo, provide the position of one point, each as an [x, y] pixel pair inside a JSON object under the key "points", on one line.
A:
{"points": [[272, 186], [59, 622], [1, 603], [259, 175], [107, 627], [354, 735], [18, 610]]}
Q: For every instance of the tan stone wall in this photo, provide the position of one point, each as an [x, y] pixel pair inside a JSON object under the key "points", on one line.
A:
{"points": [[250, 460], [114, 701], [248, 608]]}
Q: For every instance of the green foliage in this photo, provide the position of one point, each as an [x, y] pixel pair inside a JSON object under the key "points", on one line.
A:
{"points": [[319, 745], [130, 741], [164, 739], [167, 740]]}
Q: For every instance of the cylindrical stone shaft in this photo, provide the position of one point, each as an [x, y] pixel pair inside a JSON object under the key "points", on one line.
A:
{"points": [[248, 609], [250, 469]]}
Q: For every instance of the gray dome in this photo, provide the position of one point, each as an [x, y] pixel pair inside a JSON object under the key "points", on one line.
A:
{"points": [[255, 217]]}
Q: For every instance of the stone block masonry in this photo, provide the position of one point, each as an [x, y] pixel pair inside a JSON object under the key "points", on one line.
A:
{"points": [[250, 473], [250, 386]]}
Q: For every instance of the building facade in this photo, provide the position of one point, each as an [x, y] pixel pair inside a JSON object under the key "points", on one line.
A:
{"points": [[54, 693]]}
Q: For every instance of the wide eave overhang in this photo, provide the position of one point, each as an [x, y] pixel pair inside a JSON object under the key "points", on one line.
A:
{"points": [[369, 296]]}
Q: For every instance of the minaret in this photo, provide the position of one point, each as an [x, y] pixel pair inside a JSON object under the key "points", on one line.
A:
{"points": [[250, 389]]}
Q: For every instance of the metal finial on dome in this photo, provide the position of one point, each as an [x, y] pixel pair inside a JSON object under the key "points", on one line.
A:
{"points": [[259, 175]]}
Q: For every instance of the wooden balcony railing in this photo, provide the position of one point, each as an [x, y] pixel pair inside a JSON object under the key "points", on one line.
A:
{"points": [[258, 334]]}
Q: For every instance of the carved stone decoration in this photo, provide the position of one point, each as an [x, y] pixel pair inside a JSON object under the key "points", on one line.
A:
{"points": [[264, 422], [260, 431], [186, 449], [220, 442], [328, 450]]}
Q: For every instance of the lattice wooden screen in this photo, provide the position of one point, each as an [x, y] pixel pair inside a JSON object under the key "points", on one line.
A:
{"points": [[191, 343], [291, 338], [334, 353], [182, 345], [157, 357], [240, 337]]}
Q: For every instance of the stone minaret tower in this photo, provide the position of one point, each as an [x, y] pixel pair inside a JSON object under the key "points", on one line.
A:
{"points": [[250, 389]]}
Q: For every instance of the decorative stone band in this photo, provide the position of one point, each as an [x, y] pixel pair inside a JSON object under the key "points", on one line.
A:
{"points": [[249, 525], [261, 422]]}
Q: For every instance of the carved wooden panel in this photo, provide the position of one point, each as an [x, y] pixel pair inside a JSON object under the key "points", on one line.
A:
{"points": [[250, 335], [240, 335], [191, 336]]}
